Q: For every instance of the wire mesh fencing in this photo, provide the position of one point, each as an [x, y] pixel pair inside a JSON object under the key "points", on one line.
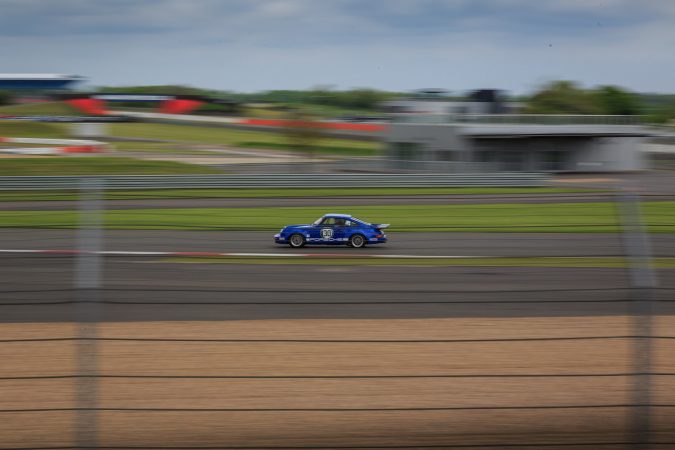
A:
{"points": [[492, 322]]}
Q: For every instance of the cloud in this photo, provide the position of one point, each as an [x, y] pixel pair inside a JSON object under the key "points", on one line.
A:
{"points": [[391, 44]]}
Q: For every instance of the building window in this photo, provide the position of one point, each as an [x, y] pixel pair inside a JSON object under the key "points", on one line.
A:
{"points": [[447, 155], [513, 161], [406, 151], [553, 160], [508, 160], [487, 156]]}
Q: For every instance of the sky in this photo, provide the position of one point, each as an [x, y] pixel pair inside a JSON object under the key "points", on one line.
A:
{"points": [[400, 45]]}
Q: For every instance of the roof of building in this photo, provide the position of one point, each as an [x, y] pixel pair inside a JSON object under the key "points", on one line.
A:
{"points": [[39, 76], [524, 131], [38, 81]]}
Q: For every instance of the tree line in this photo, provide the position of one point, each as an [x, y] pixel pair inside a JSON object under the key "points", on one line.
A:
{"points": [[555, 97], [568, 97]]}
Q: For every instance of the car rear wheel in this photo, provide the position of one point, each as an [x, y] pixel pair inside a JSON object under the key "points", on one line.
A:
{"points": [[296, 240], [357, 241]]}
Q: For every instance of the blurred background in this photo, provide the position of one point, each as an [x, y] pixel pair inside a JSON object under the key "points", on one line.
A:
{"points": [[523, 153]]}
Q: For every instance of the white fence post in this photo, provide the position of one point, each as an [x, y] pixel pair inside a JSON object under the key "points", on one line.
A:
{"points": [[642, 281], [88, 284]]}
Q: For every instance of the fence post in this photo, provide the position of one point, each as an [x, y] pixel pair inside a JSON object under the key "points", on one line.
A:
{"points": [[88, 284], [642, 281]]}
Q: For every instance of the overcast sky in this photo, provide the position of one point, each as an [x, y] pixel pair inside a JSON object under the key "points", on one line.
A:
{"points": [[251, 45]]}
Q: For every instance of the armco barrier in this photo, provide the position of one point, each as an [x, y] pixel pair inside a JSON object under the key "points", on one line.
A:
{"points": [[276, 180]]}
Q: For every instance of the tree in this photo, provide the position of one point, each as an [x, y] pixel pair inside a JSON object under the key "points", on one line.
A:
{"points": [[321, 95], [303, 132], [664, 113], [613, 100], [562, 97]]}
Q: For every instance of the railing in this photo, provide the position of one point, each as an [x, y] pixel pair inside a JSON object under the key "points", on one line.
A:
{"points": [[278, 180], [532, 119]]}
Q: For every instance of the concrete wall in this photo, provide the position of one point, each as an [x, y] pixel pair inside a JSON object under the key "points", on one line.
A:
{"points": [[609, 154], [436, 107], [431, 139], [518, 129], [531, 150]]}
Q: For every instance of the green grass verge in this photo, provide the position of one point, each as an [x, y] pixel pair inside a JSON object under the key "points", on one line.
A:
{"points": [[33, 129], [94, 165], [133, 148], [538, 218], [41, 109], [575, 262], [179, 133], [280, 193], [325, 111], [238, 138]]}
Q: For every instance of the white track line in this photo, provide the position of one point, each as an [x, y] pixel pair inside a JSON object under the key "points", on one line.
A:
{"points": [[219, 254]]}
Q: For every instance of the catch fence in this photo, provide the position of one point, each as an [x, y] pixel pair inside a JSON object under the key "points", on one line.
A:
{"points": [[500, 323]]}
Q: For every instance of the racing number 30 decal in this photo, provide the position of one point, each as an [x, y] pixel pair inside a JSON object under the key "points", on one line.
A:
{"points": [[326, 233]]}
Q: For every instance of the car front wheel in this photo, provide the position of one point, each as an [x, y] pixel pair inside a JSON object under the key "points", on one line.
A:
{"points": [[357, 241], [296, 240]]}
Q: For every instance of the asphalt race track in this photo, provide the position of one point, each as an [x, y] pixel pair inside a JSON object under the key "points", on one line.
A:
{"points": [[431, 244], [40, 288], [205, 353], [135, 286]]}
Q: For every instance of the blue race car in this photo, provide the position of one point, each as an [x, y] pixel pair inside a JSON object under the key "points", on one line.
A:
{"points": [[333, 229]]}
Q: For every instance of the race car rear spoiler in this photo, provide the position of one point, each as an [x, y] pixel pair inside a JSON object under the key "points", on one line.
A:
{"points": [[381, 225]]}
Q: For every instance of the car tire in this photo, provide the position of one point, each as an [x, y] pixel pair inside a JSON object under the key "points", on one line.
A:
{"points": [[357, 241], [296, 240]]}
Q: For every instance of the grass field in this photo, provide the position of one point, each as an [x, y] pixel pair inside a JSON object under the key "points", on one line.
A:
{"points": [[177, 134], [540, 218], [32, 129], [281, 193], [136, 148], [94, 165], [238, 138], [41, 109], [325, 111]]}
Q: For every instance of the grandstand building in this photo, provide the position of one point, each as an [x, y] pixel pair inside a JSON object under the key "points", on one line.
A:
{"points": [[35, 82], [512, 142]]}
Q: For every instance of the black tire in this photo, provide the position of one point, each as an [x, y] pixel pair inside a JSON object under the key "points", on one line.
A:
{"points": [[357, 241], [296, 240]]}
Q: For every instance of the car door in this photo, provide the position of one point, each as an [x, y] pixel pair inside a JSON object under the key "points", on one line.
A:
{"points": [[323, 233], [340, 231], [314, 234]]}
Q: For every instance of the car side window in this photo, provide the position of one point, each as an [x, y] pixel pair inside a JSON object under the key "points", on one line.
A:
{"points": [[329, 221]]}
